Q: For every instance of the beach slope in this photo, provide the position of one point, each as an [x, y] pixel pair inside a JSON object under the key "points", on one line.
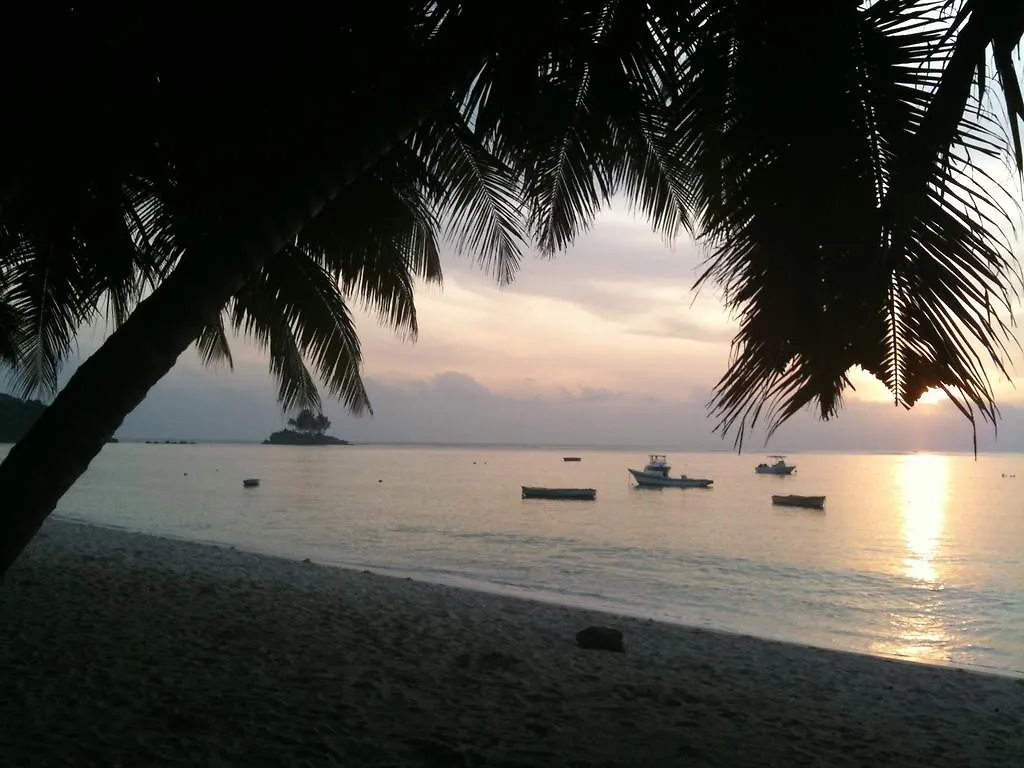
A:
{"points": [[124, 649]]}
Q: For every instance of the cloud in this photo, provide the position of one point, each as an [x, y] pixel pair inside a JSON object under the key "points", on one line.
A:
{"points": [[453, 407], [617, 271], [674, 328], [605, 345]]}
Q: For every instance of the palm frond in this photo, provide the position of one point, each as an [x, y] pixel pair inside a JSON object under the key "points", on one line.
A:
{"points": [[370, 243], [151, 227], [213, 345], [544, 129], [295, 310], [946, 237], [254, 312], [578, 115], [649, 168], [68, 254], [979, 25], [110, 257], [10, 328], [825, 266], [46, 288], [474, 191], [378, 236]]}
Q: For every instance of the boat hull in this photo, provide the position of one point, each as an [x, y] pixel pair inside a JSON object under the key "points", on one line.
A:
{"points": [[805, 502], [770, 470], [567, 494], [649, 480]]}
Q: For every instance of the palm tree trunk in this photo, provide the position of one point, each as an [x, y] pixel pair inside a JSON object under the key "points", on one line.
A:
{"points": [[111, 383]]}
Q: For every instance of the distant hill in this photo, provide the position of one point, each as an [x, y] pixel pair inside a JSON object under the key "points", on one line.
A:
{"points": [[17, 417]]}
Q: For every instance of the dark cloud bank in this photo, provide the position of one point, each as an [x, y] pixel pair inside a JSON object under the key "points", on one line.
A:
{"points": [[454, 408]]}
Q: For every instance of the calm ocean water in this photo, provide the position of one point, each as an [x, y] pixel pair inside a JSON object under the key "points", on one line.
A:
{"points": [[917, 556]]}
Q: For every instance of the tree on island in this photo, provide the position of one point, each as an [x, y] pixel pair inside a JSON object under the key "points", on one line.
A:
{"points": [[310, 423], [832, 175], [306, 428]]}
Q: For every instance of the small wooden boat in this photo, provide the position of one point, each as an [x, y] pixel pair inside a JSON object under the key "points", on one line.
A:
{"points": [[251, 482], [574, 494], [656, 475], [571, 458], [792, 500]]}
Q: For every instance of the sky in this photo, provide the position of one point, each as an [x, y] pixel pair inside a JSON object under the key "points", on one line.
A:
{"points": [[605, 345]]}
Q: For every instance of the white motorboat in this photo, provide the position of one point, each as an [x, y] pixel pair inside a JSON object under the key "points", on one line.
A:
{"points": [[778, 466], [656, 475]]}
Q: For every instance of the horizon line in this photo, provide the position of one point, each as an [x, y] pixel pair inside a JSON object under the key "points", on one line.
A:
{"points": [[577, 446]]}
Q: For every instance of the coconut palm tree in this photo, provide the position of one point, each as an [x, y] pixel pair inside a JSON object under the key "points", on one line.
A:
{"points": [[220, 208], [843, 228], [857, 227], [835, 178], [238, 176]]}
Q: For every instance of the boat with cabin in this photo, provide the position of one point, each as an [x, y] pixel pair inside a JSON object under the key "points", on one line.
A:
{"points": [[251, 482], [778, 466], [793, 500], [566, 494], [656, 475]]}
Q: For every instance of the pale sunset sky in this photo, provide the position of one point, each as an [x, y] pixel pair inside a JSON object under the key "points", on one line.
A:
{"points": [[604, 345]]}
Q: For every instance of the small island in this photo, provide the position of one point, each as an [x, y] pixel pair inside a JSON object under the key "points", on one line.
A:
{"points": [[17, 417], [307, 428]]}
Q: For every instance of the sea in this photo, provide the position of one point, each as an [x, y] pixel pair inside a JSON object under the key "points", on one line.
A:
{"points": [[916, 556]]}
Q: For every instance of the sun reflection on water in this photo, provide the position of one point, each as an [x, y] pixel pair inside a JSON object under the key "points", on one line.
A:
{"points": [[923, 480], [920, 629]]}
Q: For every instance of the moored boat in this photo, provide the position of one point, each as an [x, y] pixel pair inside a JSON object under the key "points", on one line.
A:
{"points": [[776, 467], [793, 500], [656, 475], [573, 494]]}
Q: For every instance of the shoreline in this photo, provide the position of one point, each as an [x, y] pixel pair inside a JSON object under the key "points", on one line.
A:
{"points": [[128, 648], [568, 601]]}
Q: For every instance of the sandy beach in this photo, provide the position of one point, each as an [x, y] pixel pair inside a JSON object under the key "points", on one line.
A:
{"points": [[121, 649]]}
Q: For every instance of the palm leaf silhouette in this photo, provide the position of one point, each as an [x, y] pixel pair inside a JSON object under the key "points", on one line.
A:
{"points": [[823, 266]]}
